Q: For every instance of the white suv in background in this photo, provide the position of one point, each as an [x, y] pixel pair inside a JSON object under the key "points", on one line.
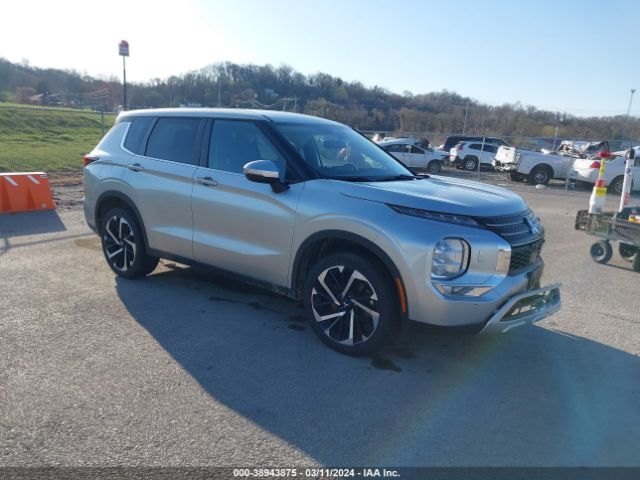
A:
{"points": [[412, 156], [466, 155]]}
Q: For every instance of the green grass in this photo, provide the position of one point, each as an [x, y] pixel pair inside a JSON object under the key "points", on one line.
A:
{"points": [[47, 139]]}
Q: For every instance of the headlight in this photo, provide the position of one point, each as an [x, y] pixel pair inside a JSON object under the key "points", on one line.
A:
{"points": [[441, 217], [450, 258]]}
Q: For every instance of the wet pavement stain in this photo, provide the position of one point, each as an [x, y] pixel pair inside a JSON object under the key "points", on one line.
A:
{"points": [[256, 306], [297, 318], [293, 326], [382, 363], [90, 243]]}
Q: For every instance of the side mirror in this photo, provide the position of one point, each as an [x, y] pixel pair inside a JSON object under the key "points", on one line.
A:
{"points": [[265, 171], [261, 171]]}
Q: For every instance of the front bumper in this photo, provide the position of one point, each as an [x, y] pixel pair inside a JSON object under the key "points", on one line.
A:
{"points": [[525, 308]]}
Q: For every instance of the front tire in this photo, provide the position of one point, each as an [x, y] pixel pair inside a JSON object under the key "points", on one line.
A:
{"points": [[601, 251], [434, 167], [351, 303], [123, 245]]}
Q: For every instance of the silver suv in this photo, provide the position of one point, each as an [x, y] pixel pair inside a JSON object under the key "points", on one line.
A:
{"points": [[312, 209]]}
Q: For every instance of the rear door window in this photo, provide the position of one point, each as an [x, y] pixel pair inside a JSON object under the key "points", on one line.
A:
{"points": [[175, 139]]}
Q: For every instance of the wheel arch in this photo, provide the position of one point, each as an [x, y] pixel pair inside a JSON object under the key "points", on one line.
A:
{"points": [[114, 199], [319, 244], [545, 166]]}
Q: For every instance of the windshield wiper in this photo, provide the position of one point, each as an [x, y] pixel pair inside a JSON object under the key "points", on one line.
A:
{"points": [[353, 179], [400, 177]]}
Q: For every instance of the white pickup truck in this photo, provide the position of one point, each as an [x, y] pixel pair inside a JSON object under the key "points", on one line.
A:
{"points": [[535, 167]]}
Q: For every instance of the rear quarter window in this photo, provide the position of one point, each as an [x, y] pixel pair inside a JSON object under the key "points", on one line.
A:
{"points": [[135, 135]]}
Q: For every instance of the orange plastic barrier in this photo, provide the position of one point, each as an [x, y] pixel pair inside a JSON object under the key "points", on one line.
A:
{"points": [[24, 192]]}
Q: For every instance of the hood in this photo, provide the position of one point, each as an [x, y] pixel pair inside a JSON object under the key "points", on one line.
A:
{"points": [[438, 194]]}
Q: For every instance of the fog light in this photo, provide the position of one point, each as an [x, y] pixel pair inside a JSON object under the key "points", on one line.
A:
{"points": [[450, 258]]}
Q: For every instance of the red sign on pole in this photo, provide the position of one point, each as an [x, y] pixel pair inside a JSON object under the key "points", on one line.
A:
{"points": [[123, 48]]}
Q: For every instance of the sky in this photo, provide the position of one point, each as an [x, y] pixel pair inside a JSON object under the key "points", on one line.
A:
{"points": [[579, 57]]}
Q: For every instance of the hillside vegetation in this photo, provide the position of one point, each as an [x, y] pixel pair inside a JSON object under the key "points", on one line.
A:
{"points": [[366, 108], [47, 139]]}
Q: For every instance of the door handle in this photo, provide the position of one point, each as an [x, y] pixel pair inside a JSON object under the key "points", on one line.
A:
{"points": [[206, 181], [135, 167]]}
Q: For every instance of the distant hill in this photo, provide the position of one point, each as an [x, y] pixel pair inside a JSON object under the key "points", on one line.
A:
{"points": [[263, 86]]}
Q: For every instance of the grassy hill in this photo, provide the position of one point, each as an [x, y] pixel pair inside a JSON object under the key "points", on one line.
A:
{"points": [[47, 139]]}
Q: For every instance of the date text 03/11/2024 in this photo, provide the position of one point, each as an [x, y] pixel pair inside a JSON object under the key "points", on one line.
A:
{"points": [[316, 472]]}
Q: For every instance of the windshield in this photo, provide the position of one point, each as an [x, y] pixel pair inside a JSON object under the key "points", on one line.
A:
{"points": [[337, 151]]}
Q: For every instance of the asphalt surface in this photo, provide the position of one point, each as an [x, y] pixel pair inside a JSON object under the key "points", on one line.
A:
{"points": [[183, 368]]}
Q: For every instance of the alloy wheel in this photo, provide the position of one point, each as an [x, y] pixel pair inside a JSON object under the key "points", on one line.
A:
{"points": [[345, 305], [119, 243]]}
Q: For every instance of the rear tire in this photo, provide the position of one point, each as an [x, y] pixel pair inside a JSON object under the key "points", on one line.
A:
{"points": [[540, 175], [470, 163], [616, 185], [123, 245], [601, 251], [636, 263], [351, 303]]}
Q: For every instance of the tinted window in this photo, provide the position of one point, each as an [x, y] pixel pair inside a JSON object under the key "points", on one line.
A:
{"points": [[136, 133], [174, 139], [415, 149], [398, 148], [475, 146], [491, 148], [235, 143]]}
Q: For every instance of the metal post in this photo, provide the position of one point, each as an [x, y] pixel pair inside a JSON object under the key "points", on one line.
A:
{"points": [[124, 83], [555, 138], [464, 125], [625, 198], [102, 121]]}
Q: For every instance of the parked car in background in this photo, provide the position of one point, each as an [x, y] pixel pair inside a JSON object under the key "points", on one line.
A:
{"points": [[586, 170], [452, 140], [467, 155], [535, 167], [417, 158]]}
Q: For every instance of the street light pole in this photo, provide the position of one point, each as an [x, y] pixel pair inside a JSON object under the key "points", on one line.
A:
{"points": [[633, 90], [123, 50]]}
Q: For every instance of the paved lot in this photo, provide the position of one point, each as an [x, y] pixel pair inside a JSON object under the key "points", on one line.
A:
{"points": [[183, 368]]}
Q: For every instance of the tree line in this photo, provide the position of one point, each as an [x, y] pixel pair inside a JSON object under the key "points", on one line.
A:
{"points": [[265, 86]]}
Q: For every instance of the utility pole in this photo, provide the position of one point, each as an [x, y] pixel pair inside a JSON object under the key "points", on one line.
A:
{"points": [[123, 50], [219, 78], [464, 125]]}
